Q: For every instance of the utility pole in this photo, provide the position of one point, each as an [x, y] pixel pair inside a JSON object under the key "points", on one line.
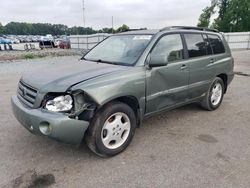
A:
{"points": [[83, 15]]}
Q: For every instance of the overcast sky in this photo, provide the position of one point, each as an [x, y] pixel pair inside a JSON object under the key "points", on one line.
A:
{"points": [[98, 13]]}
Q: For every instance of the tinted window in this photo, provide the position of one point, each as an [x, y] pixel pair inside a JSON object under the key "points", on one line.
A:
{"points": [[216, 44], [196, 45], [169, 46]]}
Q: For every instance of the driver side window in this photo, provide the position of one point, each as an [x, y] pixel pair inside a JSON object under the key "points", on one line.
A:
{"points": [[169, 46]]}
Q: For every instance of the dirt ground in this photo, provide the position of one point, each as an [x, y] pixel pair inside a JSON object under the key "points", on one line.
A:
{"points": [[186, 147], [14, 55]]}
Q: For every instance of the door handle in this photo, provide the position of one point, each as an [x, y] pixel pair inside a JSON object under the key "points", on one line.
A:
{"points": [[211, 61], [183, 67]]}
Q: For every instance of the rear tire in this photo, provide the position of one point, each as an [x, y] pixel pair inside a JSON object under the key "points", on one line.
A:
{"points": [[111, 130], [214, 95]]}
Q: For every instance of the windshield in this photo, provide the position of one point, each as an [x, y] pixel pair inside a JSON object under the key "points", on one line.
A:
{"points": [[119, 49]]}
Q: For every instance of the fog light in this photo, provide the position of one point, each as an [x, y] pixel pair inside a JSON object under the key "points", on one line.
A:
{"points": [[45, 128]]}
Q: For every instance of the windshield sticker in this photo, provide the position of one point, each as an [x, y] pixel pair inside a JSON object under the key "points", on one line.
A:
{"points": [[142, 37]]}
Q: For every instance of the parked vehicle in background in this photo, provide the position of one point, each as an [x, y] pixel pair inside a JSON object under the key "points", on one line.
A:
{"points": [[22, 39], [47, 42], [125, 78], [5, 41], [14, 40], [1, 40], [64, 43], [49, 37], [57, 42]]}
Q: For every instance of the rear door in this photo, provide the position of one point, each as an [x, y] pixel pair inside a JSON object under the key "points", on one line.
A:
{"points": [[200, 62], [167, 85], [220, 58]]}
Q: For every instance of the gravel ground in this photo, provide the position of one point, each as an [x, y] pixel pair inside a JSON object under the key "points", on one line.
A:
{"points": [[19, 54], [186, 147]]}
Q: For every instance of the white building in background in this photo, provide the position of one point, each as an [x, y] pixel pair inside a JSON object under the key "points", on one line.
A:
{"points": [[238, 40]]}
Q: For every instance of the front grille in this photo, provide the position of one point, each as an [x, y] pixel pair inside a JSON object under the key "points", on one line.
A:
{"points": [[26, 94]]}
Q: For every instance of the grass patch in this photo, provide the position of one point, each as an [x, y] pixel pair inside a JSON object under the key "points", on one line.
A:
{"points": [[29, 56]]}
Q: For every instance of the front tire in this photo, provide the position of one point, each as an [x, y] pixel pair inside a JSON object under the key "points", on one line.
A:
{"points": [[111, 130], [214, 96]]}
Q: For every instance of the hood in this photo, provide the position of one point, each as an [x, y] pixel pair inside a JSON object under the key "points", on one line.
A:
{"points": [[63, 76]]}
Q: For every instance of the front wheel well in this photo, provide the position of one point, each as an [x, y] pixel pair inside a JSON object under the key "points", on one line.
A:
{"points": [[224, 78], [132, 102]]}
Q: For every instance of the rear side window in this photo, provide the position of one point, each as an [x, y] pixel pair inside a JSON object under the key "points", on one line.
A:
{"points": [[216, 44], [196, 45], [209, 48]]}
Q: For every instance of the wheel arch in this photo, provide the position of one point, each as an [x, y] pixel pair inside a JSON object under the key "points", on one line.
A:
{"points": [[224, 78], [131, 101]]}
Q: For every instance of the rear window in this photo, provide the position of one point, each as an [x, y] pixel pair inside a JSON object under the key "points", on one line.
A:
{"points": [[216, 44], [196, 45]]}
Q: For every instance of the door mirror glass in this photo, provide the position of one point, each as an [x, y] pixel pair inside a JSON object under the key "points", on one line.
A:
{"points": [[157, 60]]}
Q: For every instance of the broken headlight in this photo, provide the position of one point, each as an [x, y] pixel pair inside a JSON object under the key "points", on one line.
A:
{"points": [[60, 104]]}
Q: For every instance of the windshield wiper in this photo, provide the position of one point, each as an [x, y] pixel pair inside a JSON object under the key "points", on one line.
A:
{"points": [[103, 61]]}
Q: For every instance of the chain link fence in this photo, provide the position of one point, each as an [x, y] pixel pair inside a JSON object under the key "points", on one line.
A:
{"points": [[86, 42]]}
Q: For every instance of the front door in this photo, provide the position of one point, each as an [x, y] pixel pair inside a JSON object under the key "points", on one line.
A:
{"points": [[167, 85]]}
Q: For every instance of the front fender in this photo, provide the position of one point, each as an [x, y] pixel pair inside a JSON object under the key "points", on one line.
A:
{"points": [[107, 88]]}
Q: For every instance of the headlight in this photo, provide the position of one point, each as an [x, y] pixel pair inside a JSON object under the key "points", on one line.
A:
{"points": [[60, 104]]}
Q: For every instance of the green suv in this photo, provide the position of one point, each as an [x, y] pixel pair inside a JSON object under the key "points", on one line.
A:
{"points": [[122, 80]]}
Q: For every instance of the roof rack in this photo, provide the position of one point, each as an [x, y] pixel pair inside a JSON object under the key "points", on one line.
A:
{"points": [[133, 30], [189, 28], [138, 29]]}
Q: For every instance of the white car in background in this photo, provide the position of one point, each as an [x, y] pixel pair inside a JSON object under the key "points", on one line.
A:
{"points": [[48, 37], [15, 41]]}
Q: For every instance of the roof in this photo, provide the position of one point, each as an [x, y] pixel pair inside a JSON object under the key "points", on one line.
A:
{"points": [[189, 28]]}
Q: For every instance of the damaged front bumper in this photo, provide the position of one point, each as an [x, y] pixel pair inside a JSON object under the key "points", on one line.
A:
{"points": [[61, 127]]}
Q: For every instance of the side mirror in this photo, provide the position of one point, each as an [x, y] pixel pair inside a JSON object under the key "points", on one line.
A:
{"points": [[157, 60]]}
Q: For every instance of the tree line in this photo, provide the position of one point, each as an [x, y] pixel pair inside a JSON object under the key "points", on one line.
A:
{"points": [[232, 16], [17, 28]]}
